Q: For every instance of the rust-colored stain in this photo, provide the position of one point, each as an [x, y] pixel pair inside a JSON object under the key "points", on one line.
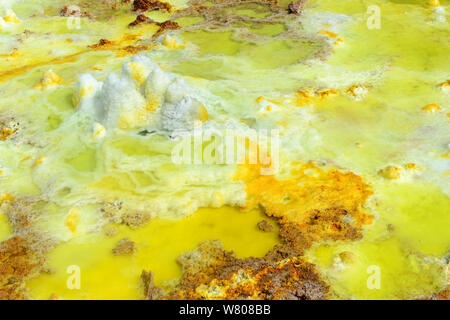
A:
{"points": [[314, 201], [18, 262]]}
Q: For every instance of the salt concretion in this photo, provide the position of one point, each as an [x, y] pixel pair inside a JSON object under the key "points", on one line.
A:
{"points": [[11, 17], [144, 96]]}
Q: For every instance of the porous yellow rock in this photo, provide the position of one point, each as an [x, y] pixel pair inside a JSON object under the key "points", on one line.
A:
{"points": [[203, 113], [347, 257], [312, 194], [413, 167], [39, 161], [433, 107], [343, 259], [6, 197], [390, 172], [49, 79], [72, 220], [11, 17], [325, 93], [5, 133], [302, 98]]}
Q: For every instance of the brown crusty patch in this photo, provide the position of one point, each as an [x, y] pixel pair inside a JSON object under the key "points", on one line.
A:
{"points": [[150, 5], [265, 226], [20, 260], [70, 12], [316, 204], [135, 49], [135, 219], [23, 255], [114, 212], [8, 128], [124, 247], [444, 294], [102, 43], [141, 19], [151, 292], [166, 25], [296, 7], [219, 16]]}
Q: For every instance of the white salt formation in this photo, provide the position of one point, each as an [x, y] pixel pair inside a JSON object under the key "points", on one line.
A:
{"points": [[145, 96]]}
